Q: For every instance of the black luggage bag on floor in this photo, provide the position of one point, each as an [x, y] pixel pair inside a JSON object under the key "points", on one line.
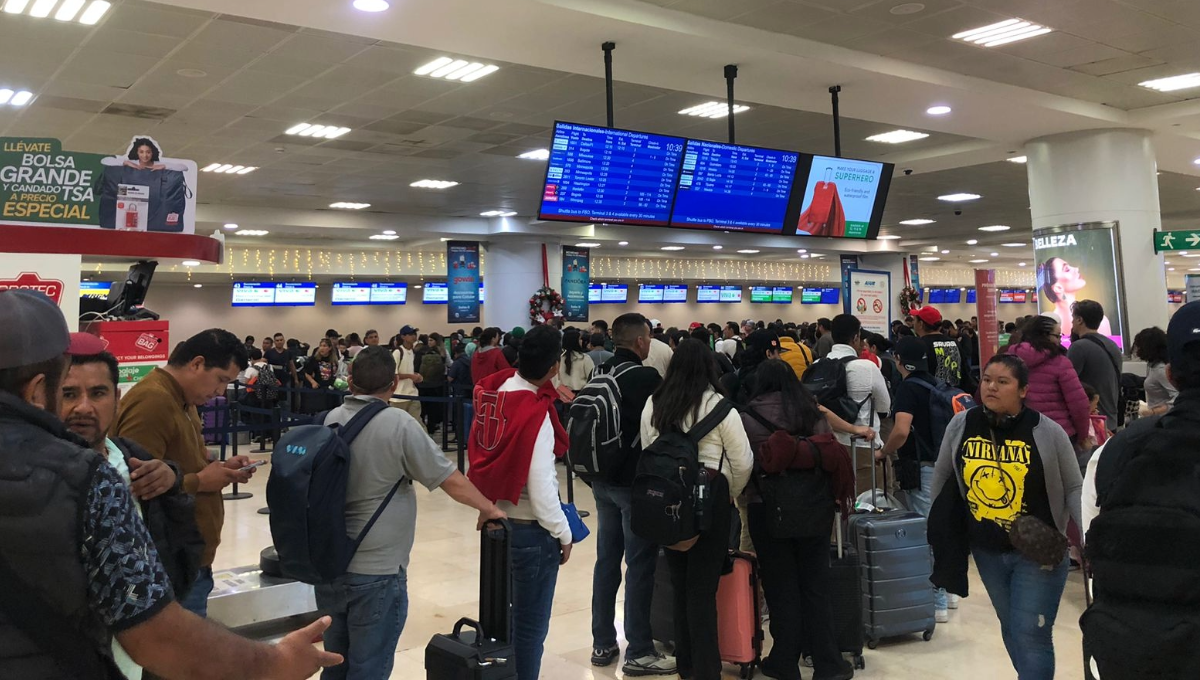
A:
{"points": [[845, 598], [662, 604], [484, 652]]}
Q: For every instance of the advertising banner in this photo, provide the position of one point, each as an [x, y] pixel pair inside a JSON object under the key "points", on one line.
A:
{"points": [[462, 274], [575, 280], [139, 346], [870, 295], [985, 308], [41, 184], [1192, 286], [57, 276], [1081, 262], [848, 262], [914, 273], [839, 197]]}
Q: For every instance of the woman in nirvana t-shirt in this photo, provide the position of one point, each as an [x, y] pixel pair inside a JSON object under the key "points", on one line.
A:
{"points": [[1008, 461]]}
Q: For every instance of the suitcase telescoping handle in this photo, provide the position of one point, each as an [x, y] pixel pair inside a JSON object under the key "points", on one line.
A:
{"points": [[495, 579]]}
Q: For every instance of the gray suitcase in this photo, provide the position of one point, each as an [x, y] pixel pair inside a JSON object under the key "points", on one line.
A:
{"points": [[895, 567]]}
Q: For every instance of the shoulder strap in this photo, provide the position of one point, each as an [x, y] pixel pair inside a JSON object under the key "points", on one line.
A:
{"points": [[846, 360], [1092, 337], [352, 429], [762, 420], [52, 632], [924, 383], [710, 422]]}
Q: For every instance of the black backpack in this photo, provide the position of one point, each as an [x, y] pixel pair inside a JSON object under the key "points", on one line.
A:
{"points": [[594, 426], [826, 381], [310, 469], [1144, 552], [798, 503], [670, 489]]}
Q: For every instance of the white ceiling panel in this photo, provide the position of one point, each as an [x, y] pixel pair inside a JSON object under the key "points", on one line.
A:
{"points": [[783, 17], [156, 19], [320, 48]]}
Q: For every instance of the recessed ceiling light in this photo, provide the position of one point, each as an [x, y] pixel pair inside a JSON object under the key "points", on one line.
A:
{"points": [[1014, 245], [42, 8], [231, 225], [321, 131], [976, 261], [498, 213], [536, 155], [917, 223], [713, 110], [389, 232], [671, 248], [748, 251], [190, 263], [945, 252], [444, 239], [623, 243], [433, 184], [1170, 269], [1197, 161], [1002, 33], [929, 259], [889, 237], [972, 242], [995, 254], [68, 10], [456, 69], [938, 110], [344, 205], [383, 237], [94, 12], [1022, 264], [718, 247], [1173, 83], [897, 137], [251, 232], [802, 251], [197, 285], [1018, 159], [229, 169], [15, 6], [15, 98], [371, 5], [587, 244], [958, 198], [995, 227]]}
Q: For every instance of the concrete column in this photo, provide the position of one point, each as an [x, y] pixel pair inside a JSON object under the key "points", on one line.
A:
{"points": [[1102, 176], [512, 273]]}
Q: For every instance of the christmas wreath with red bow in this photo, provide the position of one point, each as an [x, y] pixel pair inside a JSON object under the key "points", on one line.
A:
{"points": [[545, 305], [910, 300]]}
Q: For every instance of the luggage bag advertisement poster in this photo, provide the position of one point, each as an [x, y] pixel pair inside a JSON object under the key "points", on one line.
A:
{"points": [[41, 184]]}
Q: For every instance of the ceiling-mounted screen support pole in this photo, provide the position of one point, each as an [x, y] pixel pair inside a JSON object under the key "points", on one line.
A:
{"points": [[730, 76], [837, 121], [608, 48]]}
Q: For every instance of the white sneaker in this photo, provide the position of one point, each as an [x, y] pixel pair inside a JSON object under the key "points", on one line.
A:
{"points": [[952, 600], [654, 664], [941, 615]]}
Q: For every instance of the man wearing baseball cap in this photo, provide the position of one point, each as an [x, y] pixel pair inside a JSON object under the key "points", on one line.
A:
{"points": [[406, 370], [945, 360], [76, 559], [1144, 484]]}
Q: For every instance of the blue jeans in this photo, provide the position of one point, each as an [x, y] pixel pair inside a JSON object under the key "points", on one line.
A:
{"points": [[614, 539], [368, 615], [535, 558], [196, 600], [921, 500], [1025, 597]]}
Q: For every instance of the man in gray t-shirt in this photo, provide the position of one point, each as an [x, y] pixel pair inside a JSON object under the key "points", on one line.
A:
{"points": [[1096, 359], [392, 446]]}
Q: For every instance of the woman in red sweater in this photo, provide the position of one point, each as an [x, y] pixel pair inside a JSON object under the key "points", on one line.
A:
{"points": [[488, 359]]}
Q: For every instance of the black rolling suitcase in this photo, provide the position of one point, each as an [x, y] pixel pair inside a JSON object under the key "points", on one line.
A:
{"points": [[845, 599], [484, 652]]}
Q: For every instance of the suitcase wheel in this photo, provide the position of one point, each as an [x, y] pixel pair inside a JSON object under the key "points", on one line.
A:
{"points": [[872, 643], [927, 635], [860, 663], [747, 671]]}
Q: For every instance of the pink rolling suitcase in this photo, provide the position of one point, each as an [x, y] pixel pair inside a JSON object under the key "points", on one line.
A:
{"points": [[739, 617]]}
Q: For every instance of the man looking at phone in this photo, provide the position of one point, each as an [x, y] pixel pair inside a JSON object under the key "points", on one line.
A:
{"points": [[159, 413]]}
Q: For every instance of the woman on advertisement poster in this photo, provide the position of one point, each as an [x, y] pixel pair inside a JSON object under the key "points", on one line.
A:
{"points": [[1058, 284]]}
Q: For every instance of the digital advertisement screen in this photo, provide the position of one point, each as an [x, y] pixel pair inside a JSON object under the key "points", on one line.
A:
{"points": [[349, 293], [269, 294], [650, 293], [733, 187], [608, 293], [437, 293], [840, 197], [94, 289], [760, 294], [675, 292], [607, 175]]}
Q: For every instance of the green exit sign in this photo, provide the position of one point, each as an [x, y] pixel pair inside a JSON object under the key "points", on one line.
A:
{"points": [[1176, 240]]}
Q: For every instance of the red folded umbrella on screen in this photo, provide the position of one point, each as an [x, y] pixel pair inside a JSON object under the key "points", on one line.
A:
{"points": [[824, 215]]}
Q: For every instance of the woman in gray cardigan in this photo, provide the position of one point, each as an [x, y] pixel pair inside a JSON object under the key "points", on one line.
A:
{"points": [[1007, 461]]}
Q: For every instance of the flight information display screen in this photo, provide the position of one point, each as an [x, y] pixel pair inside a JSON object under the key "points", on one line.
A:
{"points": [[971, 296], [820, 296], [718, 293], [650, 292], [781, 295], [269, 294], [733, 187], [437, 293], [675, 292], [760, 294], [360, 293], [600, 293], [599, 174]]}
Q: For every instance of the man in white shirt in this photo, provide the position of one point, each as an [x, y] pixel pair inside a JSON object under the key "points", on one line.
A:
{"points": [[864, 382], [406, 373], [515, 440], [660, 353]]}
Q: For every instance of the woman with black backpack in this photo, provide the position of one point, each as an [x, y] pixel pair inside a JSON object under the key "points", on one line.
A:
{"points": [[689, 392], [794, 560]]}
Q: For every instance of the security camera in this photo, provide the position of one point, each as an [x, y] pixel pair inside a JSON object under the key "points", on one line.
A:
{"points": [[907, 171], [957, 213]]}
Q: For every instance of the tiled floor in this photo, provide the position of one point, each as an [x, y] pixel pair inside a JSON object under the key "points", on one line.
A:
{"points": [[443, 586]]}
